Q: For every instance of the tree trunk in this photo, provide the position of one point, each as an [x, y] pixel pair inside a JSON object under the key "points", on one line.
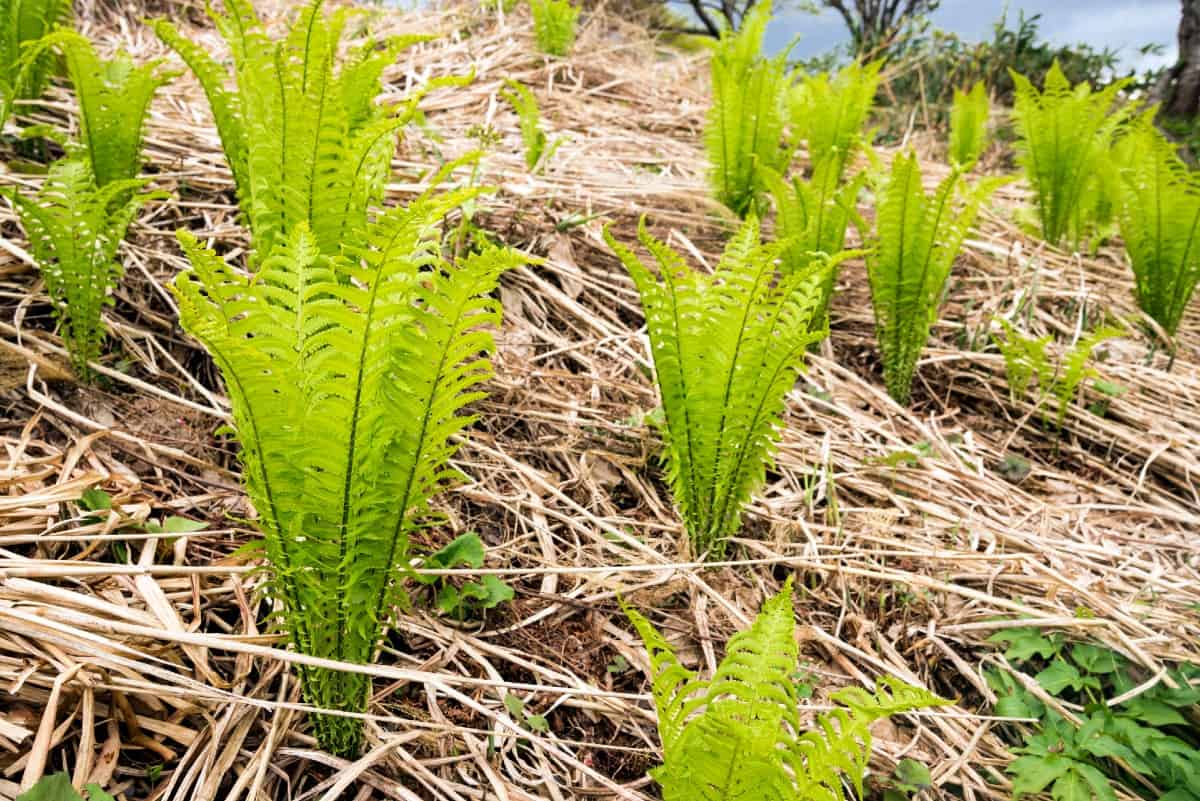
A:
{"points": [[1179, 89]]}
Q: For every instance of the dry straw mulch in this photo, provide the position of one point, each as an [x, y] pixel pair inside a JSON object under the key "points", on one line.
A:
{"points": [[138, 660]]}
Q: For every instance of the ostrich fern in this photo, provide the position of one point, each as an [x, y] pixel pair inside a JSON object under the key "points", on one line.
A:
{"points": [[21, 22], [916, 241], [74, 229], [744, 130], [1064, 135], [114, 99], [554, 25], [538, 149], [829, 112], [726, 349], [739, 735], [304, 140], [1160, 223], [968, 126], [347, 375]]}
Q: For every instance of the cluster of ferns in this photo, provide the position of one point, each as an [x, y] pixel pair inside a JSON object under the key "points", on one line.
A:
{"points": [[353, 339]]}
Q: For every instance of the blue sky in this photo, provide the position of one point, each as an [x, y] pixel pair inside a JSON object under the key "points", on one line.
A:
{"points": [[1124, 25]]}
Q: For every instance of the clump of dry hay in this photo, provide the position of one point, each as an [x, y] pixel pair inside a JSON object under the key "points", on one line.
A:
{"points": [[122, 651]]}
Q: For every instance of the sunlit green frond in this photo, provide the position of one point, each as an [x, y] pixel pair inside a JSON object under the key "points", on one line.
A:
{"points": [[23, 22], [829, 113], [968, 126], [744, 130], [739, 736], [726, 349], [74, 230], [554, 25], [537, 147]]}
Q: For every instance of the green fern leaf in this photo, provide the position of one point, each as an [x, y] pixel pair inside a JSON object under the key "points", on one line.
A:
{"points": [[529, 117], [554, 25], [21, 23], [1075, 368], [968, 126], [829, 112]]}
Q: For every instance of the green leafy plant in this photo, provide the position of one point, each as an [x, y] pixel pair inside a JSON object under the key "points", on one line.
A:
{"points": [[811, 218], [1160, 223], [537, 151], [744, 130], [739, 734], [1147, 745], [968, 126], [472, 598], [916, 241], [22, 22], [57, 787], [726, 350], [1025, 358], [114, 99], [829, 112], [1064, 134], [554, 25], [304, 141], [908, 779], [347, 376], [74, 230]]}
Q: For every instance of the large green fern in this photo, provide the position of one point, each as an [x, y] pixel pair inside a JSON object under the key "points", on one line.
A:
{"points": [[1160, 223], [829, 112], [968, 126], [304, 140], [114, 99], [738, 736], [811, 218], [74, 229], [916, 240], [726, 349], [554, 25], [21, 22], [347, 375], [1064, 136], [744, 130]]}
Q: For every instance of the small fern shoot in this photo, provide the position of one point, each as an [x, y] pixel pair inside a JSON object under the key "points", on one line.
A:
{"points": [[1160, 223], [744, 130], [739, 735], [1064, 134], [968, 126], [537, 151], [726, 349], [22, 22], [1025, 358], [114, 100], [829, 112], [1075, 369], [916, 241], [347, 375], [811, 218], [304, 141], [554, 24], [74, 229]]}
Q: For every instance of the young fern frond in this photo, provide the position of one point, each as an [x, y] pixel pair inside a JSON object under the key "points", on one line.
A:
{"points": [[22, 22], [303, 139], [1160, 223], [348, 376], [739, 735], [554, 25], [968, 126], [114, 100], [1064, 136], [1075, 369], [744, 130], [811, 218], [529, 118], [74, 230], [916, 241], [726, 350], [829, 112], [1024, 359]]}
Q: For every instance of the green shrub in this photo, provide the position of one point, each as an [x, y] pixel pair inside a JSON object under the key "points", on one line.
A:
{"points": [[1064, 135], [830, 112], [74, 230], [305, 142], [916, 241], [739, 735], [347, 375], [744, 130], [726, 349], [968, 126], [21, 22], [554, 25], [537, 149], [114, 100], [1160, 223], [811, 218]]}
